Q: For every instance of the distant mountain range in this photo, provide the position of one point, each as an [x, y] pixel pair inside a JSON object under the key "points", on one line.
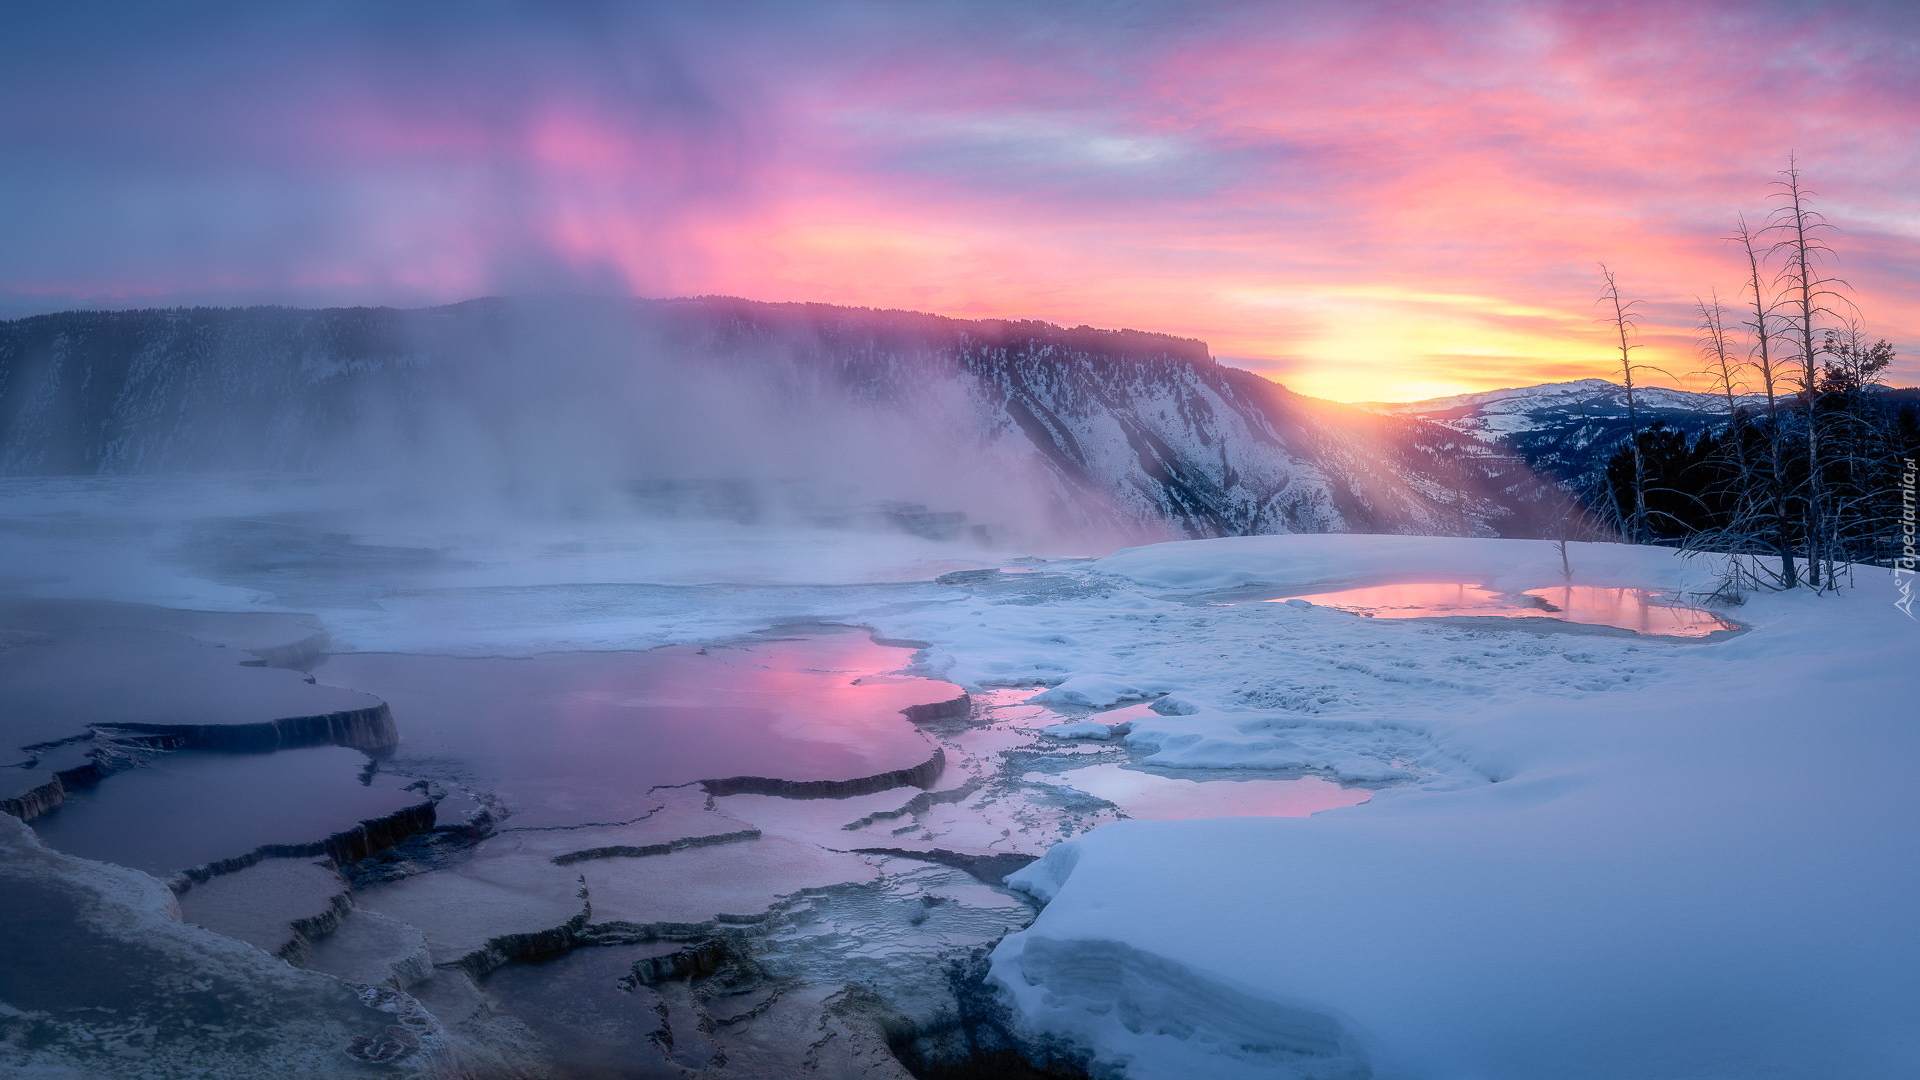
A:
{"points": [[936, 417], [1569, 428]]}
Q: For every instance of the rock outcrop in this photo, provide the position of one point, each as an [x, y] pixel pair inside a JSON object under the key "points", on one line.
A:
{"points": [[348, 845], [921, 775], [367, 728]]}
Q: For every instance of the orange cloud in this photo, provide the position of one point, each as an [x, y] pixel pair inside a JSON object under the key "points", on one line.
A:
{"points": [[1370, 199]]}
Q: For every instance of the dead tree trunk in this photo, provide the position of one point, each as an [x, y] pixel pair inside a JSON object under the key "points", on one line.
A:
{"points": [[1763, 358], [1800, 227], [1622, 323]]}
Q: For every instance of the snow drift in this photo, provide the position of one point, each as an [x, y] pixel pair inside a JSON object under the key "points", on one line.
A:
{"points": [[1658, 858]]}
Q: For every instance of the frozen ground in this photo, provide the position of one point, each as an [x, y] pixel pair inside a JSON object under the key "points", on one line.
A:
{"points": [[1584, 853], [1621, 857]]}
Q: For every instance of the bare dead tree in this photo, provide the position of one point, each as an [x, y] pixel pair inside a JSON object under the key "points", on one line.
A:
{"points": [[1722, 368], [1808, 481], [1762, 329], [1623, 319], [1741, 491], [1802, 243]]}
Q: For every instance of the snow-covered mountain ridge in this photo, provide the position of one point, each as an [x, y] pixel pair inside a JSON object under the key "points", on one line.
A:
{"points": [[1566, 428], [1119, 425], [1494, 413], [1571, 394]]}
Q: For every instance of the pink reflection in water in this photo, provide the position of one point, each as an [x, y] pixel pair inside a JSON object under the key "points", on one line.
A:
{"points": [[1159, 797], [1632, 609], [583, 736], [1628, 609]]}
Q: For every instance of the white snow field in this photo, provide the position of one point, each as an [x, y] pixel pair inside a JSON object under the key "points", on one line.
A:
{"points": [[1617, 857], [1589, 854]]}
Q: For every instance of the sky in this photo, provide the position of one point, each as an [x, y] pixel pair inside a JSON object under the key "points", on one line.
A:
{"points": [[1362, 200]]}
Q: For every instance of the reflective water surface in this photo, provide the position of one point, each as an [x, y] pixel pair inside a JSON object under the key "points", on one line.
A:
{"points": [[571, 737], [1158, 796], [193, 807], [789, 894], [1629, 609]]}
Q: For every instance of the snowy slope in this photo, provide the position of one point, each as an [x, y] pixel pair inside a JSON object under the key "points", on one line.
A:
{"points": [[1616, 856]]}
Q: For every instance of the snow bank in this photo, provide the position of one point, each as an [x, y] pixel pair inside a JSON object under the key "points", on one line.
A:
{"points": [[1648, 858], [1161, 1018], [1096, 691]]}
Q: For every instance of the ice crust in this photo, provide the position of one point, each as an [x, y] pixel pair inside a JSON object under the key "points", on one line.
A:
{"points": [[101, 978]]}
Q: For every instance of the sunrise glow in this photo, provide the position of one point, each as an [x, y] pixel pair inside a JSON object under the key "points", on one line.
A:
{"points": [[1374, 201]]}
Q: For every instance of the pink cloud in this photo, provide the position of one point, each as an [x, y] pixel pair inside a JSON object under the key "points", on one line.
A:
{"points": [[1375, 198]]}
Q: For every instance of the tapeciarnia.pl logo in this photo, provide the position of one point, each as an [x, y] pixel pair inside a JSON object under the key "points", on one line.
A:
{"points": [[1903, 567]]}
